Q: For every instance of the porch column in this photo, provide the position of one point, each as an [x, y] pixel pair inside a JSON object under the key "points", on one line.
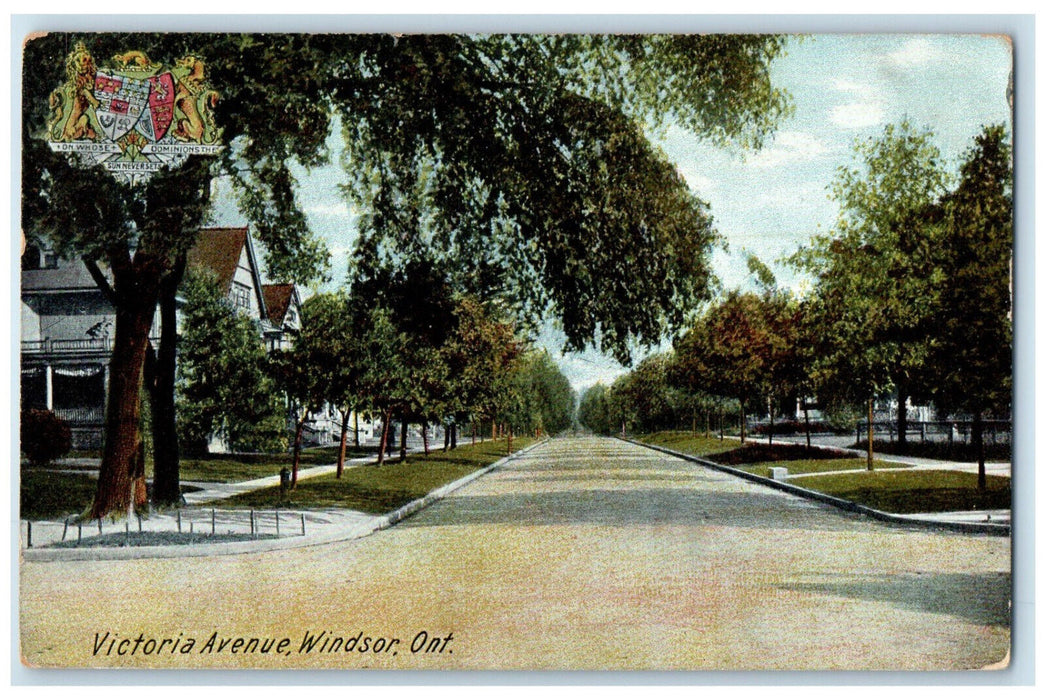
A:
{"points": [[48, 387]]}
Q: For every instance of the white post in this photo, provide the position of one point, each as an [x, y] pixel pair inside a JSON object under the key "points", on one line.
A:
{"points": [[48, 387]]}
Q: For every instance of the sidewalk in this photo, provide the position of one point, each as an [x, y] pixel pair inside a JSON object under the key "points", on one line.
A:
{"points": [[203, 528], [986, 518], [996, 468]]}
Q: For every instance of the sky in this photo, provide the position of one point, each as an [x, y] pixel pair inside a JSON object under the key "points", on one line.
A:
{"points": [[845, 87]]}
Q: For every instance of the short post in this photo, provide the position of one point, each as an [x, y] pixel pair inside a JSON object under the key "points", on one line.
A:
{"points": [[285, 482], [179, 516], [139, 515], [127, 532], [99, 526], [79, 531], [303, 524], [29, 533], [212, 521], [277, 522], [65, 529], [252, 523]]}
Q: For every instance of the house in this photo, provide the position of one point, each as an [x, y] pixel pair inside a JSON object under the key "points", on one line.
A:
{"points": [[67, 326], [283, 306]]}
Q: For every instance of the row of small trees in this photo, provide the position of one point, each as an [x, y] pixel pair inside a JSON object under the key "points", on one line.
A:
{"points": [[394, 345], [911, 297]]}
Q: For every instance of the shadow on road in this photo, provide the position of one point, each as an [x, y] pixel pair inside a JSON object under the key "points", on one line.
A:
{"points": [[638, 507], [982, 599]]}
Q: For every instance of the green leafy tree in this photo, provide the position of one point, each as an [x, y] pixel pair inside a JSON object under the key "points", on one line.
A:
{"points": [[223, 388], [332, 342], [730, 350], [525, 151], [876, 276], [594, 410], [971, 356], [653, 402], [482, 356], [141, 235], [384, 381], [547, 398]]}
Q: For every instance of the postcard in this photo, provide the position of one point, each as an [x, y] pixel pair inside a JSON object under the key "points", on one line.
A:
{"points": [[523, 351]]}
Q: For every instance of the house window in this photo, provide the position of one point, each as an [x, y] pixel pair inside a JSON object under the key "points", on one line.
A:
{"points": [[240, 295]]}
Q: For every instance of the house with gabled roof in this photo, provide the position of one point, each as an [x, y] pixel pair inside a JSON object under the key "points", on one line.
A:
{"points": [[228, 254], [67, 326], [283, 307]]}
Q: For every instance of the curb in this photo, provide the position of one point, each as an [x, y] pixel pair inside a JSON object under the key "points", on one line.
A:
{"points": [[998, 529], [379, 522], [404, 512]]}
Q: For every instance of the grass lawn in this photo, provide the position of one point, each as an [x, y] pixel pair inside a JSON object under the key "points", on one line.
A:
{"points": [[46, 494], [685, 441], [813, 466], [914, 491], [240, 467], [373, 489]]}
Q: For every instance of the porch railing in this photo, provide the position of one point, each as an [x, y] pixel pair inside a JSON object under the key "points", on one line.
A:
{"points": [[90, 414], [34, 347]]}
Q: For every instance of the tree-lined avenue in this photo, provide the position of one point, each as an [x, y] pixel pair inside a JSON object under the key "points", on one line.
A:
{"points": [[585, 553]]}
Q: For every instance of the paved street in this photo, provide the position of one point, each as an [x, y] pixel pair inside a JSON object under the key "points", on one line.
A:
{"points": [[586, 553]]}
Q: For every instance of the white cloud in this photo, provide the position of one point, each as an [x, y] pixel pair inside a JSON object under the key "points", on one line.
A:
{"points": [[863, 91], [789, 147], [866, 108], [792, 195], [915, 52], [857, 115], [702, 184], [336, 209]]}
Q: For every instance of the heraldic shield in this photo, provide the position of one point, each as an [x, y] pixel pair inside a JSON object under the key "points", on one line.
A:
{"points": [[161, 105], [121, 102], [133, 117]]}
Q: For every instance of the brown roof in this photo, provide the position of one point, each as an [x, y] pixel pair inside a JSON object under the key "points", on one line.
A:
{"points": [[218, 250], [277, 299]]}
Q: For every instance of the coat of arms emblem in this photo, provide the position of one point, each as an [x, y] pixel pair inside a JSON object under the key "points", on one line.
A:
{"points": [[133, 117]]}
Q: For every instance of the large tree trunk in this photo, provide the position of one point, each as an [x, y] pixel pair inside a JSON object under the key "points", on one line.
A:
{"points": [[166, 486], [453, 435], [344, 439], [114, 494]]}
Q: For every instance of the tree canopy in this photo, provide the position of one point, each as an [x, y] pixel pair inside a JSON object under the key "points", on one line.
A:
{"points": [[520, 157]]}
